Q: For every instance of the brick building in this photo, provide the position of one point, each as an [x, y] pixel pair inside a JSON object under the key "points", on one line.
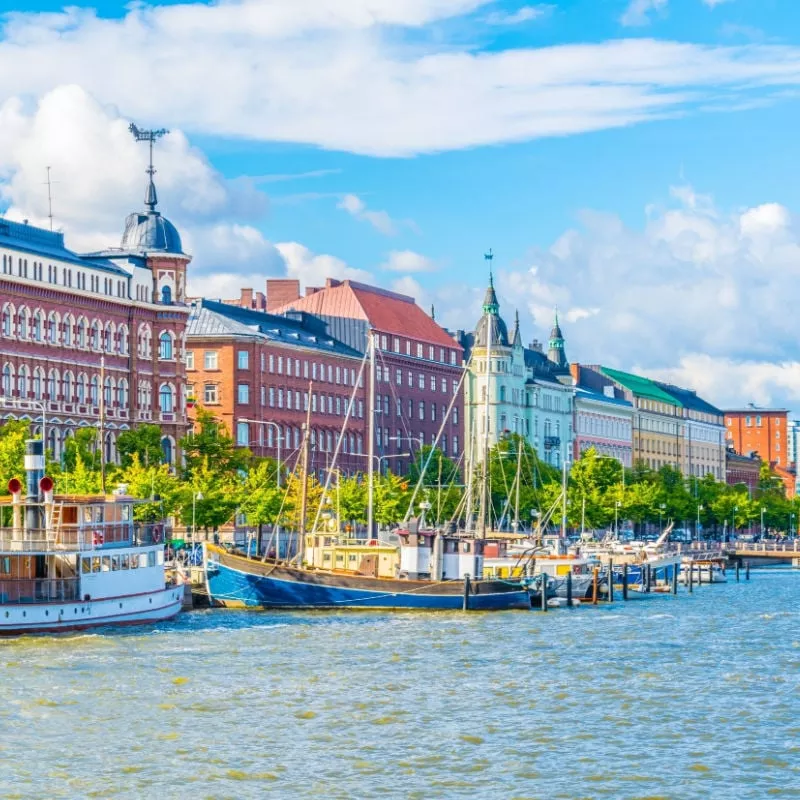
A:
{"points": [[761, 430], [742, 469], [258, 372], [418, 365], [97, 339]]}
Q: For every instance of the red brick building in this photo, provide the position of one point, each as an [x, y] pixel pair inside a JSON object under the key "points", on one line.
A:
{"points": [[761, 430], [742, 469], [418, 364], [94, 340], [259, 372]]}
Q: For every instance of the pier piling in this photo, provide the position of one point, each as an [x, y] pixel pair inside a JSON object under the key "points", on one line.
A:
{"points": [[738, 565], [648, 578], [594, 586], [569, 589], [747, 570], [675, 568], [610, 597], [690, 578], [544, 591], [467, 589], [624, 581]]}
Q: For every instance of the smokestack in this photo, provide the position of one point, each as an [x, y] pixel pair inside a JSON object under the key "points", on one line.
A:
{"points": [[34, 472]]}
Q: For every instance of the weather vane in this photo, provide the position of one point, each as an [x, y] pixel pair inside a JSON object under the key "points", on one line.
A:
{"points": [[148, 136]]}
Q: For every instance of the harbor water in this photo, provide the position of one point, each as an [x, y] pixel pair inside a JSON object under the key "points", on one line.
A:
{"points": [[662, 697]]}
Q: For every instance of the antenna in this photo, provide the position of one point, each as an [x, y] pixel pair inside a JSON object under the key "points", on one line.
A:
{"points": [[50, 197], [150, 137]]}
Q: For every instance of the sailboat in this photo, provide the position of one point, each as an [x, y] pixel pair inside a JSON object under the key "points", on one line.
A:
{"points": [[430, 570]]}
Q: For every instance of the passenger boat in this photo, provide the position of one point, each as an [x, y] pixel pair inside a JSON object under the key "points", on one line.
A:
{"points": [[72, 562]]}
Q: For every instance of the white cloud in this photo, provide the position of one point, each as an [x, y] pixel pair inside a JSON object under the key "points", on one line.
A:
{"points": [[408, 261], [699, 295], [379, 220], [638, 12], [346, 74], [714, 3], [521, 15], [312, 269]]}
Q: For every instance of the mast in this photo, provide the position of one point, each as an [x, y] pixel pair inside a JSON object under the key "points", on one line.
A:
{"points": [[371, 435], [101, 430], [486, 427], [564, 497], [304, 490], [519, 480]]}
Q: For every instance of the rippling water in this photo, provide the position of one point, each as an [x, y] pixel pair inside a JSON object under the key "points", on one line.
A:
{"points": [[674, 697]]}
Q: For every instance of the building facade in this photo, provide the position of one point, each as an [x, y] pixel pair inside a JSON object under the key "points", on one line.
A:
{"points": [[604, 422], [418, 366], [259, 373], [760, 430], [529, 394], [742, 469], [94, 340]]}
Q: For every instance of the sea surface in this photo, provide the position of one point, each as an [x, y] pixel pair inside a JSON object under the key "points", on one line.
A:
{"points": [[694, 696]]}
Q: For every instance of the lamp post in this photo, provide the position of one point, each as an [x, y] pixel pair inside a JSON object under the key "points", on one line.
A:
{"points": [[733, 522], [791, 525], [195, 497], [617, 507], [697, 525], [762, 521], [661, 509], [372, 457]]}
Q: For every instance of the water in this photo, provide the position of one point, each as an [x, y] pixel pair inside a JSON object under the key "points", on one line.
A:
{"points": [[663, 697]]}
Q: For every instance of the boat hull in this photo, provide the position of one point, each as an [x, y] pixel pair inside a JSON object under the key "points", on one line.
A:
{"points": [[234, 581], [142, 609]]}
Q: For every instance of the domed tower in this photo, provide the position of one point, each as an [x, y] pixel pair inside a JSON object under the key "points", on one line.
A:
{"points": [[153, 236], [555, 347], [491, 322]]}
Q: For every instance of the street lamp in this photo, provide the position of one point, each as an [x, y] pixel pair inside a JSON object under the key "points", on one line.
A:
{"points": [[791, 525], [697, 526], [762, 521], [733, 522], [378, 459], [617, 507], [661, 509], [195, 497], [419, 441]]}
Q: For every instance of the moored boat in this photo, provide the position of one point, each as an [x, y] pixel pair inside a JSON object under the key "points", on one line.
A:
{"points": [[72, 562]]}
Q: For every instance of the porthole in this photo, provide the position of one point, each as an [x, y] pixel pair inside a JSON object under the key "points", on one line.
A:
{"points": [[24, 613], [120, 605], [47, 613], [151, 601], [6, 614], [75, 610]]}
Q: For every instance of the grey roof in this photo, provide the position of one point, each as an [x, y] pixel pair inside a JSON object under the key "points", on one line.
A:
{"points": [[210, 318], [48, 244], [147, 231], [541, 365], [689, 399], [588, 394], [495, 324]]}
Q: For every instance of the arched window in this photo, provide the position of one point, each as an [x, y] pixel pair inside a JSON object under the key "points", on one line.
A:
{"points": [[166, 295], [166, 448], [36, 326], [144, 341], [93, 390], [52, 385], [7, 319], [108, 392], [110, 450], [165, 346], [122, 335], [108, 338], [69, 387], [23, 382], [80, 333], [166, 398], [7, 383], [23, 323], [38, 383], [122, 393], [81, 387], [94, 336], [52, 328], [67, 327]]}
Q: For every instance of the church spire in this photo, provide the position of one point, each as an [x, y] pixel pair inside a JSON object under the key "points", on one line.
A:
{"points": [[555, 348], [490, 304], [516, 339]]}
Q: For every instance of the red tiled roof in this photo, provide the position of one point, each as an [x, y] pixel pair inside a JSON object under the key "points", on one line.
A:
{"points": [[385, 311]]}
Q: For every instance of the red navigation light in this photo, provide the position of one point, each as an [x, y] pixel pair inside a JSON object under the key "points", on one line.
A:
{"points": [[15, 485], [46, 484]]}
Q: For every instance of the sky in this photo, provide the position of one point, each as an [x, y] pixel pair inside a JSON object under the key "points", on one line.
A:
{"points": [[633, 163]]}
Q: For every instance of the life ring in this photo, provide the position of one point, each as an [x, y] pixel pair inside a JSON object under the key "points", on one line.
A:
{"points": [[157, 534]]}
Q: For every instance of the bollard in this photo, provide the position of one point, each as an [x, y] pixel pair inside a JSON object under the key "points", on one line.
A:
{"points": [[738, 563], [691, 577], [569, 589], [610, 581], [675, 568], [649, 576], [747, 570], [544, 590], [467, 587], [624, 581], [594, 586]]}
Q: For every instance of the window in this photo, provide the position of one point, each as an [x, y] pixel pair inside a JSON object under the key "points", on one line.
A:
{"points": [[271, 363], [263, 395], [165, 346], [210, 359], [166, 398], [189, 359], [210, 394], [280, 365], [243, 393], [419, 350], [410, 378], [433, 383], [243, 359], [272, 397], [758, 421], [421, 410], [242, 434]]}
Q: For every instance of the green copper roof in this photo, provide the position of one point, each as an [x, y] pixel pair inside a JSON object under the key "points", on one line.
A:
{"points": [[641, 387]]}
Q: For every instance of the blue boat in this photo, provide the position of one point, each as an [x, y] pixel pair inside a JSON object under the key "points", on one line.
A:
{"points": [[237, 581], [662, 570]]}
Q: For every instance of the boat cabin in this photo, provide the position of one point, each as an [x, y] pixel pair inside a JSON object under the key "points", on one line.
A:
{"points": [[371, 557]]}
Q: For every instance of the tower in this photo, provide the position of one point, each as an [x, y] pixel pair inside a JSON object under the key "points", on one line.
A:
{"points": [[555, 347]]}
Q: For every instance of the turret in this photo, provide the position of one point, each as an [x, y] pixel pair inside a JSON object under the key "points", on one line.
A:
{"points": [[555, 348]]}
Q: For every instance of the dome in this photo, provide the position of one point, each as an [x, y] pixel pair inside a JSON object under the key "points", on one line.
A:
{"points": [[148, 230], [498, 328]]}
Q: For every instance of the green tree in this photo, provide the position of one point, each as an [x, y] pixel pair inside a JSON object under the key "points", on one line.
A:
{"points": [[441, 470], [12, 451], [350, 496], [261, 497], [81, 479], [211, 443], [392, 495], [208, 499], [144, 441], [84, 445], [153, 483]]}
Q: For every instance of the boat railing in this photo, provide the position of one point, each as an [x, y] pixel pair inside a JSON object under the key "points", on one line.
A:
{"points": [[72, 537], [19, 591]]}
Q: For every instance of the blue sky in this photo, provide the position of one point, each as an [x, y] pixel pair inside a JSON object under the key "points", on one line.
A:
{"points": [[632, 161]]}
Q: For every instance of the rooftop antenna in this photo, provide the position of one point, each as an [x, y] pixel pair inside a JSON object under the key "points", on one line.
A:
{"points": [[150, 137], [50, 197]]}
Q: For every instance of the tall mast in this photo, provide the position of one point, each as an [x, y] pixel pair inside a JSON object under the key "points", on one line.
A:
{"points": [[486, 427], [371, 435], [519, 480], [103, 424], [304, 489], [564, 496]]}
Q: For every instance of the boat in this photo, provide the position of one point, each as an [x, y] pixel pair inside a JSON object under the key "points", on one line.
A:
{"points": [[708, 570], [73, 562], [425, 570]]}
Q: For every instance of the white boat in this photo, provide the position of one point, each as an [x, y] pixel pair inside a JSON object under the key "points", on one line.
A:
{"points": [[72, 562]]}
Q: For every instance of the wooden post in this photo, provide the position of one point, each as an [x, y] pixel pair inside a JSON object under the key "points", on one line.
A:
{"points": [[569, 589], [649, 574], [747, 570], [699, 574], [625, 581], [738, 564], [467, 587], [610, 581], [543, 585], [594, 586], [691, 576], [675, 568]]}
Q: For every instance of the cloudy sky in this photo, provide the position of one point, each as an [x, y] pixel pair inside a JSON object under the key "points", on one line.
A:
{"points": [[632, 162]]}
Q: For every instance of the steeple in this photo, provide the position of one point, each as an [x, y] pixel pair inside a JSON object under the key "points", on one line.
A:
{"points": [[490, 304], [516, 339], [491, 323], [555, 347]]}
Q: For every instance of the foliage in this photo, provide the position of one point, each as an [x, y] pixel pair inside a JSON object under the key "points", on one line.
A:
{"points": [[81, 479], [211, 443], [350, 497], [441, 470], [144, 442], [392, 494], [154, 483], [82, 445], [12, 452], [261, 497], [219, 497]]}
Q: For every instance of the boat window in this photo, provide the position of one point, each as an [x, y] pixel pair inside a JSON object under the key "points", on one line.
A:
{"points": [[326, 557], [466, 547], [126, 513], [159, 556], [134, 561], [352, 557], [87, 513], [86, 566], [115, 563], [339, 558], [106, 563], [96, 564], [125, 561], [151, 558], [5, 565]]}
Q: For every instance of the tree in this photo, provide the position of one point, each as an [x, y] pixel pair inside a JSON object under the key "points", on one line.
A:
{"points": [[219, 497], [154, 483], [261, 497], [292, 506], [441, 470], [144, 442], [12, 451], [350, 496], [82, 479], [392, 494], [84, 445], [212, 444]]}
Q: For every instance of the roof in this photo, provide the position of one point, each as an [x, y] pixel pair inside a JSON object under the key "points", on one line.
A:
{"points": [[541, 365], [210, 318], [689, 399], [641, 387], [385, 311], [499, 331], [598, 397], [40, 242], [755, 410]]}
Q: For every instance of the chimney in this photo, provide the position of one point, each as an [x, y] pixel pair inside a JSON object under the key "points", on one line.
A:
{"points": [[281, 291], [330, 283], [537, 346], [575, 371], [246, 299]]}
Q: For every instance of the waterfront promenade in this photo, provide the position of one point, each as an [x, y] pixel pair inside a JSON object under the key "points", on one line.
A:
{"points": [[655, 698]]}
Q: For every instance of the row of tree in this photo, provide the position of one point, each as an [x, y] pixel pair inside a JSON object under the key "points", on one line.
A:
{"points": [[217, 479]]}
